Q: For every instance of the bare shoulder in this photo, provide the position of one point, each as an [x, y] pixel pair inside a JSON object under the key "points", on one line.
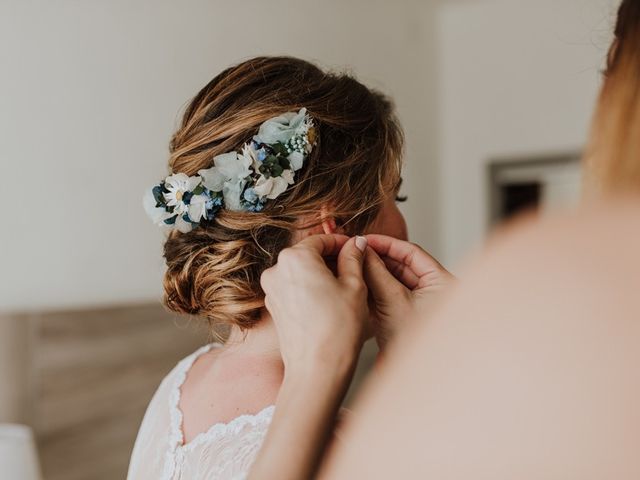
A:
{"points": [[593, 226], [221, 386], [593, 247]]}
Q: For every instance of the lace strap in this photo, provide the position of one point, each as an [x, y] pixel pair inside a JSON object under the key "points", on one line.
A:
{"points": [[176, 438], [233, 427], [175, 414]]}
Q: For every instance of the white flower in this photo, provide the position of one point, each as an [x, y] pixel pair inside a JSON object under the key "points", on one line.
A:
{"points": [[198, 207], [283, 127], [250, 152], [177, 185], [212, 178], [182, 225], [296, 159], [231, 194], [157, 214], [228, 167], [263, 186], [228, 176], [233, 166], [288, 175], [273, 187]]}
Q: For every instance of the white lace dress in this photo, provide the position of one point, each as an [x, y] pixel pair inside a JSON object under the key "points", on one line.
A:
{"points": [[225, 452]]}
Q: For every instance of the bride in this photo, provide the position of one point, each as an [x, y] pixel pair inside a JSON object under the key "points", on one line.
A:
{"points": [[269, 152]]}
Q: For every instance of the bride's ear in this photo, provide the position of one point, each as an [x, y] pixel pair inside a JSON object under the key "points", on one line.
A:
{"points": [[329, 225], [326, 226]]}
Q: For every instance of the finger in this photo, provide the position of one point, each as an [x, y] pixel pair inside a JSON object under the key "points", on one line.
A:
{"points": [[315, 253], [415, 259], [382, 284], [267, 304], [323, 245], [350, 260], [266, 279], [271, 305], [400, 271]]}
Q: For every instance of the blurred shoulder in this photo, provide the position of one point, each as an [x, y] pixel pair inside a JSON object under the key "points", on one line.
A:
{"points": [[536, 344], [595, 245]]}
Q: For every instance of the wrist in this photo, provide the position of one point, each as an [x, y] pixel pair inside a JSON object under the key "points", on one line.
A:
{"points": [[329, 365], [318, 388], [390, 326]]}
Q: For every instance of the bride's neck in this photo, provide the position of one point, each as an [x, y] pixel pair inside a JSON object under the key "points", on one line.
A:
{"points": [[262, 339]]}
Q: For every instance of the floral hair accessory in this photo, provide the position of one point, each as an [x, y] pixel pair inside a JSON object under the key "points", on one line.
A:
{"points": [[238, 181]]}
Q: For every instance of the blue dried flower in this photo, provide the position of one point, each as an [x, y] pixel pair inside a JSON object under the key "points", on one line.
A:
{"points": [[250, 195]]}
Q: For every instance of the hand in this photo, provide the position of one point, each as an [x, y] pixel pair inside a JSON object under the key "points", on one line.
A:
{"points": [[319, 316], [403, 279]]}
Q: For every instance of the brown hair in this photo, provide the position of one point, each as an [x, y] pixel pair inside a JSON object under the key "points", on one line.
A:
{"points": [[214, 270], [613, 156]]}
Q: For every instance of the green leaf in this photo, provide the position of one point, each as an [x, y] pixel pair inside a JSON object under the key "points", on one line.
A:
{"points": [[276, 170], [280, 148], [285, 163], [157, 195]]}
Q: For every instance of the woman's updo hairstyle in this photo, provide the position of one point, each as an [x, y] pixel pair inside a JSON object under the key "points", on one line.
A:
{"points": [[214, 270]]}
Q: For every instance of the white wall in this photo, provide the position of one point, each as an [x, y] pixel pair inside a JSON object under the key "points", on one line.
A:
{"points": [[515, 79], [91, 93]]}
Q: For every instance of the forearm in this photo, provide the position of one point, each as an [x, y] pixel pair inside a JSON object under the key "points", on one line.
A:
{"points": [[303, 422]]}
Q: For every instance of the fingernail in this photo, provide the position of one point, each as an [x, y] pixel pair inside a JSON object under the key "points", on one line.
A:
{"points": [[361, 243]]}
